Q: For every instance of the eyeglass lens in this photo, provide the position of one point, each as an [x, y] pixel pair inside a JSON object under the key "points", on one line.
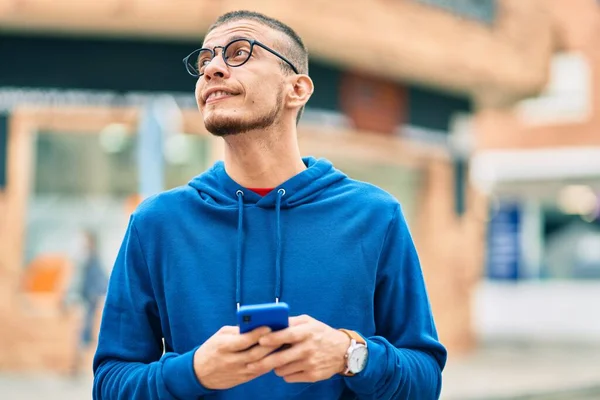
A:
{"points": [[236, 53]]}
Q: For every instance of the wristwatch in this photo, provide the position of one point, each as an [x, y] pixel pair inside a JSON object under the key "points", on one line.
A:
{"points": [[356, 355]]}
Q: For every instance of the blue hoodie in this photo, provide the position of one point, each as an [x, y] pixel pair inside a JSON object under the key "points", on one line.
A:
{"points": [[331, 247]]}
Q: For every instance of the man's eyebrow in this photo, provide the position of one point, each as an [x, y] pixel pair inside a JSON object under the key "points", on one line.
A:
{"points": [[230, 39], [235, 37]]}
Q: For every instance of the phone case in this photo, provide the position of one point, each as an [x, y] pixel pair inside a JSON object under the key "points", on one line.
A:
{"points": [[273, 315]]}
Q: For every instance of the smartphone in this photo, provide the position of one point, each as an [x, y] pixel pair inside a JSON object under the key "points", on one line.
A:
{"points": [[273, 315]]}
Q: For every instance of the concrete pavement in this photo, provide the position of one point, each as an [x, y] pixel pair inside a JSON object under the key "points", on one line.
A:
{"points": [[523, 371]]}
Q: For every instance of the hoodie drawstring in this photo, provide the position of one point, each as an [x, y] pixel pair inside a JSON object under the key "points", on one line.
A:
{"points": [[238, 261], [280, 194]]}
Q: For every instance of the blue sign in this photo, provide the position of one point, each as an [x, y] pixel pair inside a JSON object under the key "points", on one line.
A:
{"points": [[504, 243]]}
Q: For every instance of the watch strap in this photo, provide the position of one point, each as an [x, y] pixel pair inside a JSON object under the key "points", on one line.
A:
{"points": [[354, 335]]}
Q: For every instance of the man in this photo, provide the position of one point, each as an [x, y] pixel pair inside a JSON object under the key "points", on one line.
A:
{"points": [[265, 225], [89, 285]]}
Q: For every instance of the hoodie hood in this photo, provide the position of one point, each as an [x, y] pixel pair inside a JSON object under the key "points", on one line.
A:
{"points": [[216, 187]]}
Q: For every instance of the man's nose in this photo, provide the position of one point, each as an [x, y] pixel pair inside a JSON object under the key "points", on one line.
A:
{"points": [[216, 68]]}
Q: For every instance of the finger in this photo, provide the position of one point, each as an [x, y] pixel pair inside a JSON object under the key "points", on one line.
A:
{"points": [[291, 335], [228, 329], [291, 368], [256, 353], [249, 339], [279, 359], [299, 320]]}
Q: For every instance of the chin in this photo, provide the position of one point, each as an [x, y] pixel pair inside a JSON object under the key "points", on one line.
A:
{"points": [[221, 115], [233, 121], [224, 126]]}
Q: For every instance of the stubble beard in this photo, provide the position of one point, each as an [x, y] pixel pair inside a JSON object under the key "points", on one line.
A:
{"points": [[221, 127]]}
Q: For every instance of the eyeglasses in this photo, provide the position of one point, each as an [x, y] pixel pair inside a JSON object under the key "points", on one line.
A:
{"points": [[235, 54]]}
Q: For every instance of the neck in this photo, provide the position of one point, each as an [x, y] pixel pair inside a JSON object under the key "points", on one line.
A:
{"points": [[263, 159]]}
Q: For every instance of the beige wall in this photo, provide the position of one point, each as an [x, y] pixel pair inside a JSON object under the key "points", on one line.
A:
{"points": [[577, 29]]}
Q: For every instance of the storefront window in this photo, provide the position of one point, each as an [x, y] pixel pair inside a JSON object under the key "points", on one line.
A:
{"points": [[84, 183]]}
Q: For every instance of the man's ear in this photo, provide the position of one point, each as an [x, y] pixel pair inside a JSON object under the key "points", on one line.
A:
{"points": [[302, 89]]}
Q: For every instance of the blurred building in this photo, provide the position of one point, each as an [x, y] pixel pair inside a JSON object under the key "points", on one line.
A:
{"points": [[538, 161], [469, 112]]}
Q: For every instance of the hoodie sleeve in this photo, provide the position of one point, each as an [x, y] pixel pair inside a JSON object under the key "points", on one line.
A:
{"points": [[129, 362], [405, 357]]}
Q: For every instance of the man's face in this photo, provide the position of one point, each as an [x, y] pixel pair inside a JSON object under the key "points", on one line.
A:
{"points": [[249, 97]]}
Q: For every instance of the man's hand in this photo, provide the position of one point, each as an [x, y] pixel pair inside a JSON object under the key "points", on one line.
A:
{"points": [[317, 351], [222, 361]]}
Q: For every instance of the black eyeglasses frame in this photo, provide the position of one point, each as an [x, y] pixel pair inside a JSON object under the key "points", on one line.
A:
{"points": [[252, 43]]}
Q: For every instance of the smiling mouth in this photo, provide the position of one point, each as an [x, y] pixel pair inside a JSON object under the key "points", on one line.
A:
{"points": [[218, 95]]}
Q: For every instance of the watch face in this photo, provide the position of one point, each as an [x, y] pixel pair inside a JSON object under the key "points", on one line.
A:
{"points": [[358, 359]]}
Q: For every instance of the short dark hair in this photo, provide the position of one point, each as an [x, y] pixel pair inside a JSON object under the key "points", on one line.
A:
{"points": [[295, 50]]}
